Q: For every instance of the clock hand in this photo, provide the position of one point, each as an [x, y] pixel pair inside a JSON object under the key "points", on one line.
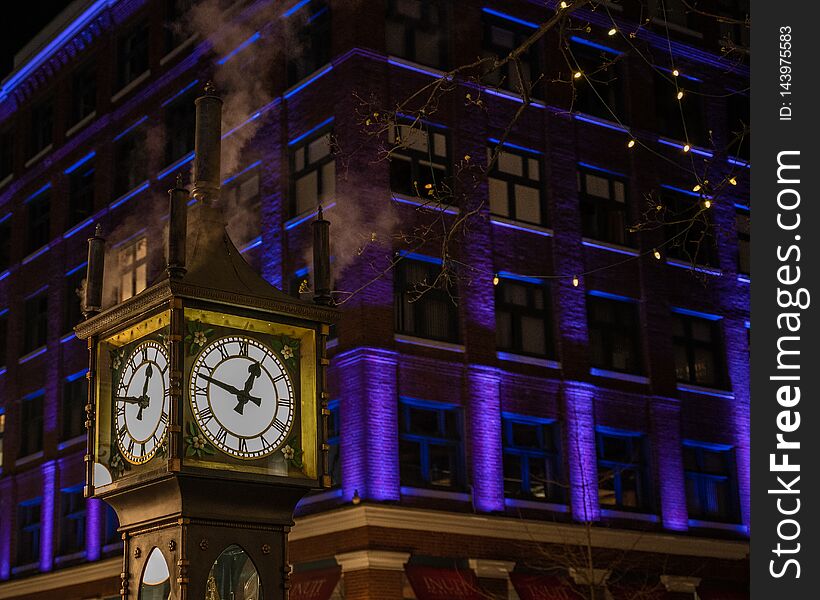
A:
{"points": [[225, 386], [129, 399], [145, 400]]}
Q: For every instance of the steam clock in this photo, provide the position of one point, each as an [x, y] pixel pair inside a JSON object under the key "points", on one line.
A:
{"points": [[207, 411]]}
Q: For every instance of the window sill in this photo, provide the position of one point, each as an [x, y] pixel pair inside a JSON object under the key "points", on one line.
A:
{"points": [[38, 156], [610, 247], [705, 391], [613, 513], [535, 505], [528, 360], [427, 343], [431, 206], [414, 66], [130, 194], [521, 226], [438, 494], [130, 86], [675, 27], [37, 253], [695, 267], [182, 46], [600, 122], [28, 459], [31, 355], [717, 525], [26, 568], [71, 442], [81, 123], [67, 558], [618, 375], [7, 179], [742, 278]]}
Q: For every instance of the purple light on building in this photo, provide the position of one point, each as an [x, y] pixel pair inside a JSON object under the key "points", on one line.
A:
{"points": [[580, 437], [665, 420], [484, 426], [49, 471], [94, 523]]}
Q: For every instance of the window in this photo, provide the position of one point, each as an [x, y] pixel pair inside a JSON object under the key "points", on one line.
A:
{"points": [[83, 92], [334, 457], [422, 309], [311, 47], [72, 522], [688, 229], [245, 207], [42, 121], [698, 350], [112, 523], [711, 490], [418, 160], [6, 154], [80, 194], [429, 445], [180, 127], [39, 221], [614, 334], [4, 323], [515, 187], [679, 119], [2, 435], [36, 324], [31, 421], [523, 318], [75, 396], [416, 30], [132, 54], [28, 531], [622, 479], [133, 258], [72, 305], [603, 206], [175, 29], [532, 459], [734, 28], [314, 173], [5, 242], [500, 38], [599, 91], [738, 119], [130, 167], [676, 12], [744, 241]]}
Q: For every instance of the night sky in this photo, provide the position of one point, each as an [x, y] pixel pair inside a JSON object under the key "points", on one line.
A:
{"points": [[16, 31]]}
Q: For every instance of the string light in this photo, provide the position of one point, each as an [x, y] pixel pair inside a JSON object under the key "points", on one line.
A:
{"points": [[630, 144], [687, 147], [657, 254], [707, 204], [675, 72], [577, 74], [696, 188], [733, 180], [680, 94], [575, 280], [612, 31], [495, 279], [564, 5]]}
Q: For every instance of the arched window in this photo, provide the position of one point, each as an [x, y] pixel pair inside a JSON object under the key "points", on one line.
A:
{"points": [[233, 575], [156, 579]]}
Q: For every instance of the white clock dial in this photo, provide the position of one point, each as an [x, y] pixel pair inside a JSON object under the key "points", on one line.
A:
{"points": [[141, 402], [242, 397]]}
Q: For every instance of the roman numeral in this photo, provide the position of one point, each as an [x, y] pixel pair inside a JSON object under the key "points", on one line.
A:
{"points": [[279, 377], [243, 445], [283, 403], [244, 348], [202, 390], [206, 414], [279, 425], [120, 411], [121, 431], [221, 436], [142, 449], [163, 418], [223, 352], [131, 447], [145, 355], [265, 442]]}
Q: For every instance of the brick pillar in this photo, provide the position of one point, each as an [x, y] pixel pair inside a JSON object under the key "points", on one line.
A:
{"points": [[272, 204], [94, 524], [579, 416], [48, 515], [369, 419], [373, 574], [484, 431], [737, 358], [7, 512], [664, 414]]}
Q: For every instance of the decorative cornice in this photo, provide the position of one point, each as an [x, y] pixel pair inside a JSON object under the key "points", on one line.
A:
{"points": [[37, 584], [382, 560]]}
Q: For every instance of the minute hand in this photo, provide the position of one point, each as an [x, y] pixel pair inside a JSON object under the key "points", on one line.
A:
{"points": [[225, 386]]}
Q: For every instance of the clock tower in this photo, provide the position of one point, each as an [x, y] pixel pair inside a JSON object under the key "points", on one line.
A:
{"points": [[207, 412]]}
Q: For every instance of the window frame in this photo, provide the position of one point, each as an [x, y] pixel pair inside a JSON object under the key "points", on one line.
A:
{"points": [[425, 441], [324, 192], [596, 211], [701, 476], [81, 193], [130, 167], [38, 220], [179, 116], [133, 266], [678, 210], [42, 127], [334, 454], [744, 240], [518, 312], [73, 398], [554, 489], [83, 88], [402, 289], [423, 165], [716, 347], [608, 331], [438, 26], [29, 529], [76, 517], [685, 119], [512, 182], [507, 74], [131, 49], [641, 469], [313, 42], [35, 324], [31, 424], [608, 82]]}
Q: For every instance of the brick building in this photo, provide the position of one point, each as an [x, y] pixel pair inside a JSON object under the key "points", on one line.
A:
{"points": [[578, 380]]}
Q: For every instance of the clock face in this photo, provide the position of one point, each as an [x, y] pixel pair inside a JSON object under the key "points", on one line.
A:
{"points": [[141, 402], [242, 397]]}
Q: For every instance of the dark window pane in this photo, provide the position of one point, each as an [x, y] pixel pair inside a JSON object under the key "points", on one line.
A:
{"points": [[75, 396], [416, 30], [698, 351], [614, 334], [311, 46], [81, 194], [31, 433], [42, 125], [423, 310], [83, 93], [132, 54], [38, 211], [430, 446]]}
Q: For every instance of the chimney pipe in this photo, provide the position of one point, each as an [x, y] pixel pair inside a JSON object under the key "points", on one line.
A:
{"points": [[92, 302], [177, 229], [321, 260], [208, 145]]}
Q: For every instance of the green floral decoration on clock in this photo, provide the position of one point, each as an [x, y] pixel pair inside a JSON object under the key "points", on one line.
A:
{"points": [[288, 349], [117, 464], [197, 336], [117, 356], [196, 444], [293, 453]]}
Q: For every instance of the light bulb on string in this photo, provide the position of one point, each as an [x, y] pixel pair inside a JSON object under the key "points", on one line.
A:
{"points": [[687, 147], [707, 203], [675, 72], [575, 280], [630, 144], [577, 75], [680, 94], [733, 180], [696, 188], [657, 254], [495, 279], [612, 31]]}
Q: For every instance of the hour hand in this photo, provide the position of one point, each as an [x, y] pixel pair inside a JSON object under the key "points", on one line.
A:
{"points": [[225, 386], [129, 399]]}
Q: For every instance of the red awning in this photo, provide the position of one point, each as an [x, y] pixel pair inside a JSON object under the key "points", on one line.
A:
{"points": [[533, 586], [722, 591], [314, 585], [435, 583]]}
